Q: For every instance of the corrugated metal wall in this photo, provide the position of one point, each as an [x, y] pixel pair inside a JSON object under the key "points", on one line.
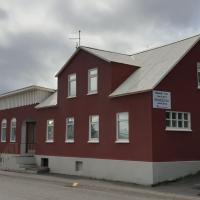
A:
{"points": [[23, 99]]}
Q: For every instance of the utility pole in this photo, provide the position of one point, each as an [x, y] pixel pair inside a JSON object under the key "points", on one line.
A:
{"points": [[78, 44]]}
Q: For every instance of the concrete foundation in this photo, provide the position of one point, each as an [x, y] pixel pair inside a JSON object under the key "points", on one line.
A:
{"points": [[144, 173]]}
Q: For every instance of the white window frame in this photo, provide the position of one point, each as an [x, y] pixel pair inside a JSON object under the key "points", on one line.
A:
{"points": [[70, 80], [198, 75], [90, 92], [47, 134], [13, 121], [93, 140], [68, 123], [177, 120], [120, 140], [3, 126]]}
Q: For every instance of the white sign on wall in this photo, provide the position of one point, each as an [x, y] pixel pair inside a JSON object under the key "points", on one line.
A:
{"points": [[161, 99]]}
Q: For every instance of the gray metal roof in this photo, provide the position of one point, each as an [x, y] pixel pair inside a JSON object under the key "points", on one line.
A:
{"points": [[25, 89], [111, 56], [154, 64], [51, 101]]}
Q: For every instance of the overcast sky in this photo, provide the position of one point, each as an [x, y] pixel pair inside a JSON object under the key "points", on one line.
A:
{"points": [[34, 34]]}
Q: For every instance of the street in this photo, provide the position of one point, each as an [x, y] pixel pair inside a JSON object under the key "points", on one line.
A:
{"points": [[18, 186]]}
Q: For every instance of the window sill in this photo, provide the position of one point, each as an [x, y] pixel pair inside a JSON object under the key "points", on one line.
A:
{"points": [[3, 141], [69, 141], [71, 97], [122, 141], [93, 141], [92, 93], [49, 141], [178, 129], [12, 141]]}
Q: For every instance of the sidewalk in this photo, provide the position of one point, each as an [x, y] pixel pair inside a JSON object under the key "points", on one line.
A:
{"points": [[175, 191]]}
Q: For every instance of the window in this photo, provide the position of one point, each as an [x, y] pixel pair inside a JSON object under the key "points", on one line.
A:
{"points": [[94, 128], [13, 130], [72, 85], [198, 74], [3, 130], [92, 81], [123, 127], [70, 130], [50, 131], [178, 120]]}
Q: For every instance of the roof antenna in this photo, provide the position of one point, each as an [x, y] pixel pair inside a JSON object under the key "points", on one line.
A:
{"points": [[78, 44]]}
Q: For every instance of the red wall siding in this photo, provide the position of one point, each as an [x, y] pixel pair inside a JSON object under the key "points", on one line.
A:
{"points": [[120, 73], [21, 114], [138, 106], [182, 83]]}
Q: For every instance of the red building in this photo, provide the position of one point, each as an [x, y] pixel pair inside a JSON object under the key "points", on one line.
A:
{"points": [[132, 118]]}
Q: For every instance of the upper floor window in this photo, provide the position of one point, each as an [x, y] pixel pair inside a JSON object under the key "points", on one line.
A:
{"points": [[178, 121], [94, 128], [92, 81], [3, 130], [198, 74], [13, 130], [72, 85], [50, 131], [123, 127], [70, 130]]}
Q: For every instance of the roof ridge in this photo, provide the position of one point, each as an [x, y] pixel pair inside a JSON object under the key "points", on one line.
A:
{"points": [[171, 43], [105, 50]]}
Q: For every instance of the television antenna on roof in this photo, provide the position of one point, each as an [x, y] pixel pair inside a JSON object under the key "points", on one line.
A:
{"points": [[78, 44]]}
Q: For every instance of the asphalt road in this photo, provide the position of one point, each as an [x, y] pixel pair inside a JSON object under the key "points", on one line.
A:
{"points": [[17, 186]]}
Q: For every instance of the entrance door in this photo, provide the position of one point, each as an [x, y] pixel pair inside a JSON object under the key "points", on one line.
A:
{"points": [[30, 137]]}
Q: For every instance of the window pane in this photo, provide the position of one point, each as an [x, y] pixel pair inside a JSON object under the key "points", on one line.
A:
{"points": [[72, 77], [94, 118], [180, 115], [72, 88], [13, 134], [70, 120], [70, 132], [94, 130], [167, 115], [3, 134], [180, 124], [50, 133], [50, 130], [186, 116], [186, 124], [168, 123], [123, 116], [123, 130], [50, 122], [93, 72], [93, 84], [173, 115], [174, 123]]}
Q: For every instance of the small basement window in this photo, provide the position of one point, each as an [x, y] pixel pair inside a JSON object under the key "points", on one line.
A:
{"points": [[44, 162], [78, 166]]}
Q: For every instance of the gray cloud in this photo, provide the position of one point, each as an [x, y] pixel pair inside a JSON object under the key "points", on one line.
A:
{"points": [[3, 14], [34, 35]]}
